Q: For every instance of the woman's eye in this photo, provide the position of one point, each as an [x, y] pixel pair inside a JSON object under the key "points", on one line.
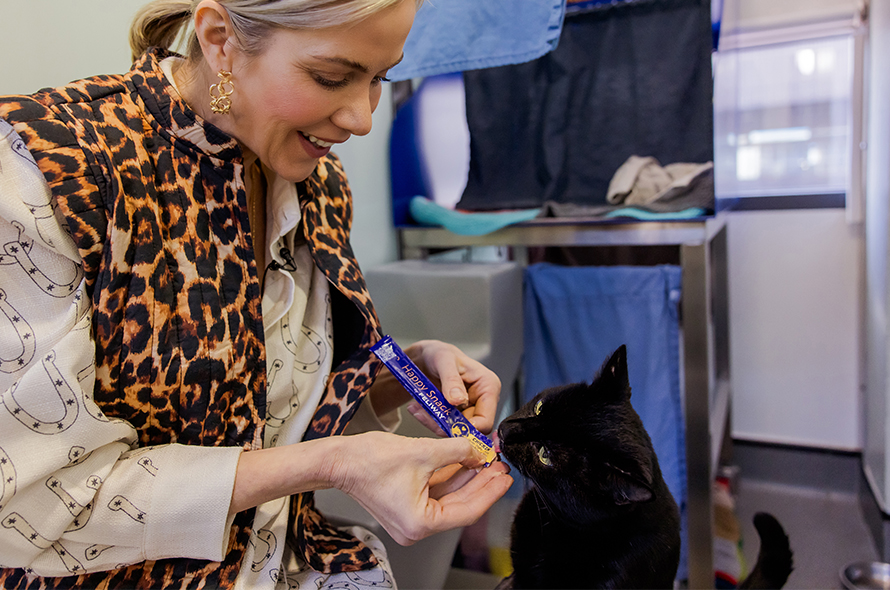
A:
{"points": [[538, 407], [379, 79], [543, 455], [329, 83]]}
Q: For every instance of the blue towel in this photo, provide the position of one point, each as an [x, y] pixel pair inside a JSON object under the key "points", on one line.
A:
{"points": [[459, 35], [575, 317]]}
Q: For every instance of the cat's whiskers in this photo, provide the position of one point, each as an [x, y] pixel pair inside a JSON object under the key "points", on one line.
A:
{"points": [[541, 501]]}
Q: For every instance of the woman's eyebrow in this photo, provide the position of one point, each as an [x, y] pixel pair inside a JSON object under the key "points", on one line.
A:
{"points": [[356, 65]]}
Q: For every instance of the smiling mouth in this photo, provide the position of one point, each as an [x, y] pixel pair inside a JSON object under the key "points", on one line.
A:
{"points": [[315, 141]]}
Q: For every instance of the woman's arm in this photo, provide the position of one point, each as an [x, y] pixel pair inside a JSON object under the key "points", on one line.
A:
{"points": [[388, 475]]}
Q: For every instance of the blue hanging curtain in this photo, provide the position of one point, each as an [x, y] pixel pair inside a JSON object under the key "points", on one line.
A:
{"points": [[575, 317]]}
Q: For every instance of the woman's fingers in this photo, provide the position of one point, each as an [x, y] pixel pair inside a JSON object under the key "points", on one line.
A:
{"points": [[450, 479], [414, 488], [456, 477], [466, 383], [464, 506], [448, 368]]}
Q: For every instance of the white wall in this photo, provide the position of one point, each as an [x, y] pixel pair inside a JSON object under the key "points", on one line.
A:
{"points": [[51, 42], [795, 283]]}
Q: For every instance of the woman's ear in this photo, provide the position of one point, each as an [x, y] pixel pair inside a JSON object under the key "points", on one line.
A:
{"points": [[213, 27]]}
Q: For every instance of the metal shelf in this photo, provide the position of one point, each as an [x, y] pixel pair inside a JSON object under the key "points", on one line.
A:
{"points": [[559, 232]]}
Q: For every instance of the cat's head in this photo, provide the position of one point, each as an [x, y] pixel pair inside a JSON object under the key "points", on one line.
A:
{"points": [[583, 445]]}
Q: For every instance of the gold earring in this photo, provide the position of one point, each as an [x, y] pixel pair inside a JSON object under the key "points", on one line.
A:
{"points": [[220, 103]]}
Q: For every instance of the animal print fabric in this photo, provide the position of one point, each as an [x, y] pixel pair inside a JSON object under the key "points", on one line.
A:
{"points": [[162, 280]]}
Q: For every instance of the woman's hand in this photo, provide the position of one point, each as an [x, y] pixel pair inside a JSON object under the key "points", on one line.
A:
{"points": [[465, 382], [414, 487], [390, 476]]}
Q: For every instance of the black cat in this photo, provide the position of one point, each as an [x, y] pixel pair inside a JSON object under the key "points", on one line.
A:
{"points": [[775, 561], [599, 514]]}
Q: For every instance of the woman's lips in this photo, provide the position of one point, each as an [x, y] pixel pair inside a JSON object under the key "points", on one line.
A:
{"points": [[313, 149]]}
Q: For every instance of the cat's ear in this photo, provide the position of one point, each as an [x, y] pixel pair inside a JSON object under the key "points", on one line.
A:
{"points": [[615, 369], [626, 488]]}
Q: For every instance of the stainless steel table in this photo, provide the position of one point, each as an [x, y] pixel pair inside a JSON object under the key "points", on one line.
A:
{"points": [[704, 328]]}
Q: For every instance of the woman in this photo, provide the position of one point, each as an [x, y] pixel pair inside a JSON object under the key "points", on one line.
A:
{"points": [[188, 327]]}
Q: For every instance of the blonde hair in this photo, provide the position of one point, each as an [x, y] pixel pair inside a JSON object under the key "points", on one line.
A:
{"points": [[161, 22]]}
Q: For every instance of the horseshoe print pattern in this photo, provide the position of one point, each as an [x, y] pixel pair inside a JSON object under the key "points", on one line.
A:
{"points": [[19, 251], [43, 206], [44, 215], [25, 335], [376, 578], [18, 523], [85, 372], [94, 551], [314, 345], [15, 522], [304, 365], [55, 486], [145, 463], [77, 455], [80, 512], [265, 544], [67, 399], [7, 473], [272, 420], [121, 504], [40, 203]]}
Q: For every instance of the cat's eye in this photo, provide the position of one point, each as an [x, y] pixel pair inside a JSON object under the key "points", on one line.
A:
{"points": [[543, 455], [538, 407]]}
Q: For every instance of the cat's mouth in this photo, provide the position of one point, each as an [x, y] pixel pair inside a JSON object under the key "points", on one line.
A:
{"points": [[496, 442]]}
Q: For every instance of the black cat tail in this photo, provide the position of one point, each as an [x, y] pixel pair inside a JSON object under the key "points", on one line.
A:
{"points": [[775, 561]]}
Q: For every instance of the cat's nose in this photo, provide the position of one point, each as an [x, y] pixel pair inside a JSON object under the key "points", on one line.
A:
{"points": [[503, 433]]}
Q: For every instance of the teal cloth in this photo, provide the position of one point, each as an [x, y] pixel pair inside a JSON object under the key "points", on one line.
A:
{"points": [[428, 212], [643, 214]]}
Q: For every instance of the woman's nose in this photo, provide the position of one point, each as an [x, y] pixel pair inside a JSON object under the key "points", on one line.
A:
{"points": [[355, 113]]}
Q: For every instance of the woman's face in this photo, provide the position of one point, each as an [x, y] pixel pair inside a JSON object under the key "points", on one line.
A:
{"points": [[310, 90]]}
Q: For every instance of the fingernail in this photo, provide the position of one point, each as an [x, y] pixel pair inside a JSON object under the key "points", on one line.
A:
{"points": [[460, 395]]}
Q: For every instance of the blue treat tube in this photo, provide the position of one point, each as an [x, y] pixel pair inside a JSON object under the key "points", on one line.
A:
{"points": [[449, 418]]}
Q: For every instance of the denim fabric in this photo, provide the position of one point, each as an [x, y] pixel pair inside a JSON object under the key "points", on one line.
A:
{"points": [[459, 35]]}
